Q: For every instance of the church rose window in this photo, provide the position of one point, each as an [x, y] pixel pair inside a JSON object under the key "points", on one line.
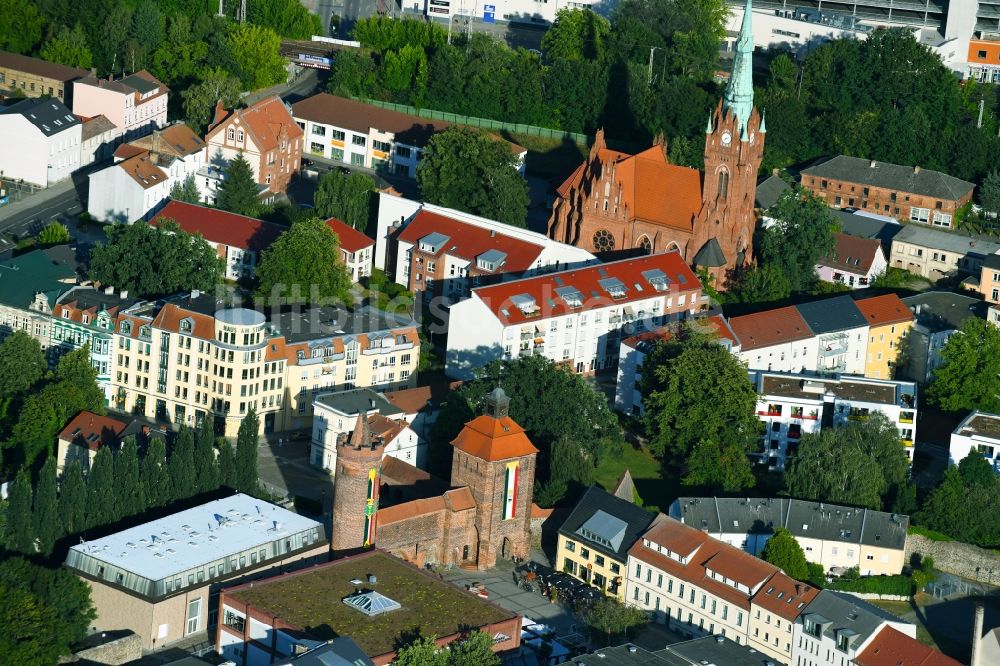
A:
{"points": [[604, 241]]}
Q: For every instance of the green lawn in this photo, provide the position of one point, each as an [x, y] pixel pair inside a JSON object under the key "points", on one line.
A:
{"points": [[653, 488]]}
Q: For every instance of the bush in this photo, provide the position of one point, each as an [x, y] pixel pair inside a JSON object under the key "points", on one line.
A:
{"points": [[930, 534], [896, 585]]}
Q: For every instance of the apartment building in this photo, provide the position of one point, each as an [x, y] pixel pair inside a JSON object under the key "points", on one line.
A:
{"points": [[889, 322], [937, 316], [136, 104], [98, 140], [129, 190], [790, 405], [267, 137], [936, 254], [836, 537], [987, 282], [26, 303], [193, 357], [41, 141], [979, 432], [834, 628], [594, 541], [357, 251], [634, 350], [906, 193], [841, 334], [161, 579], [35, 77], [445, 253], [855, 262], [777, 340], [83, 437], [364, 135], [576, 317]]}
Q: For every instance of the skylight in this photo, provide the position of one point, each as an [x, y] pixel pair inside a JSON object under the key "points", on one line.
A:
{"points": [[657, 279], [571, 296], [372, 603], [614, 287], [525, 303]]}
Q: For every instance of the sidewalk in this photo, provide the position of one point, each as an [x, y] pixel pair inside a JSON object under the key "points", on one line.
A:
{"points": [[39, 198]]}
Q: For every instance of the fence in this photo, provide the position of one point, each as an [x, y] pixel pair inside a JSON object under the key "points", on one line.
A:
{"points": [[482, 123]]}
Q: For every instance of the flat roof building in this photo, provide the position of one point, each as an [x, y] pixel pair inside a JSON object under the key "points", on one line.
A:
{"points": [[157, 578]]}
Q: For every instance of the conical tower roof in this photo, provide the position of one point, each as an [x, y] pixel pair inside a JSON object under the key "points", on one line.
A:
{"points": [[738, 97], [361, 438]]}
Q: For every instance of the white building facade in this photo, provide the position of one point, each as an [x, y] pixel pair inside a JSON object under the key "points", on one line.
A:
{"points": [[40, 141], [127, 191], [978, 432]]}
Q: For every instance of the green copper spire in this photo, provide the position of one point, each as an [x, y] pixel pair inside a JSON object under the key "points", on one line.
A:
{"points": [[708, 128], [739, 93], [763, 122]]}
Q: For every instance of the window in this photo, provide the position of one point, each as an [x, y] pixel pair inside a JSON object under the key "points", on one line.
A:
{"points": [[919, 214], [193, 616], [319, 130], [336, 135], [359, 140], [383, 146], [402, 151], [724, 184], [571, 546]]}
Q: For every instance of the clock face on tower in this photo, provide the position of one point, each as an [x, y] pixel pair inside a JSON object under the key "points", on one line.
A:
{"points": [[726, 138]]}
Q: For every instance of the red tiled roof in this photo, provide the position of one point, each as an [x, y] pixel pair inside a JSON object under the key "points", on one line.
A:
{"points": [[784, 596], [852, 254], [143, 171], [771, 327], [539, 512], [386, 428], [891, 647], [401, 473], [456, 499], [468, 241], [219, 226], [170, 316], [127, 150], [542, 288], [494, 439], [265, 121], [351, 239], [415, 399], [93, 431], [883, 310]]}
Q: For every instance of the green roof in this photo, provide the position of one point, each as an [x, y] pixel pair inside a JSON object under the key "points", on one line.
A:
{"points": [[23, 277]]}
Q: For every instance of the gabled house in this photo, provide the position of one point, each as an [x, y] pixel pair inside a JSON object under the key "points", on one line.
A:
{"points": [[136, 104], [356, 250], [854, 262], [265, 134], [34, 77], [40, 141], [83, 437]]}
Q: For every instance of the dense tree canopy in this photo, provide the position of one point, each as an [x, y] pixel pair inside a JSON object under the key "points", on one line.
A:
{"points": [[69, 47], [239, 190], [466, 169], [802, 233], [347, 197], [970, 376], [155, 260], [20, 26], [860, 464], [610, 617], [22, 364], [965, 503], [288, 18], [576, 34], [303, 266], [253, 55], [784, 552]]}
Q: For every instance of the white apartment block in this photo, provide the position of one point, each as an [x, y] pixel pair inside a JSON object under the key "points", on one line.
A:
{"points": [[338, 415], [40, 141], [575, 317], [513, 11], [136, 104], [368, 136], [978, 432]]}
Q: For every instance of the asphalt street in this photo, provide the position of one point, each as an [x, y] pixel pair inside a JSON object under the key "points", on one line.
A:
{"points": [[33, 213]]}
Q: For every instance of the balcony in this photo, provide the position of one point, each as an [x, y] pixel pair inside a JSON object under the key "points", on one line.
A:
{"points": [[834, 349], [811, 416], [770, 413], [857, 417]]}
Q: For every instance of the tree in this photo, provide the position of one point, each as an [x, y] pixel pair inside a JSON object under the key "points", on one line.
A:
{"points": [[102, 507], [20, 527], [576, 34], [128, 487], [466, 169], [69, 47], [22, 363], [766, 283], [66, 617], [73, 499], [20, 26], [303, 266], [148, 30], [475, 650], [183, 478], [383, 33], [227, 465], [353, 74], [199, 100], [155, 475], [46, 516], [404, 74], [347, 197], [611, 617], [186, 190], [288, 18], [802, 233], [181, 55], [969, 377], [247, 439], [254, 55], [183, 261], [719, 466], [421, 652], [206, 471], [698, 397], [54, 234], [784, 552], [239, 190], [975, 471], [856, 464], [989, 192]]}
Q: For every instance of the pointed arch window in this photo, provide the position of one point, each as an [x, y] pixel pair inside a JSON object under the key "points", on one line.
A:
{"points": [[723, 189]]}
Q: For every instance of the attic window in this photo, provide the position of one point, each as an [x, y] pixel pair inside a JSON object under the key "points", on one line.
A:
{"points": [[525, 303], [571, 296], [614, 287], [657, 279], [126, 328]]}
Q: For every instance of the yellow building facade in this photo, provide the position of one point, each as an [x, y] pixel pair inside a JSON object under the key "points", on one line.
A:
{"points": [[889, 320]]}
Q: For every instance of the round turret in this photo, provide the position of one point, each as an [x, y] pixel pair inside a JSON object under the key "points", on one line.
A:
{"points": [[355, 488]]}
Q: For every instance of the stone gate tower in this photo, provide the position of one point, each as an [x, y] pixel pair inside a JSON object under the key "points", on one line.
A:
{"points": [[356, 488], [495, 459]]}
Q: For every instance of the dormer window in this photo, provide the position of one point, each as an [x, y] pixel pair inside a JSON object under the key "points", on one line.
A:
{"points": [[125, 328], [491, 260], [657, 279], [186, 326], [571, 296], [613, 286], [85, 319], [145, 332], [525, 303]]}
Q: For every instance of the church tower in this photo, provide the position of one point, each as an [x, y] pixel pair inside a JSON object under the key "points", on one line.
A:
{"points": [[355, 489], [496, 461], [734, 146]]}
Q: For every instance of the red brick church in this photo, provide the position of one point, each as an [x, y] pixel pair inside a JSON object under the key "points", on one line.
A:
{"points": [[618, 201], [484, 515]]}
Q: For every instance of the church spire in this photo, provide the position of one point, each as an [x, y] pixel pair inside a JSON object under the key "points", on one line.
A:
{"points": [[738, 97]]}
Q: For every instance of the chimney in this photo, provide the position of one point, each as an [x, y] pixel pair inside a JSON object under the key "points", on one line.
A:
{"points": [[872, 164], [123, 293], [916, 169], [775, 172], [977, 638], [493, 233]]}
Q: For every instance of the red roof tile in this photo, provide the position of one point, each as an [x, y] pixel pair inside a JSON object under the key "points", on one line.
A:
{"points": [[351, 239], [170, 316], [771, 327], [401, 473], [852, 254], [416, 399], [93, 431], [884, 310], [891, 647], [784, 596], [542, 288], [494, 439], [468, 241], [143, 171], [219, 226], [265, 122]]}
